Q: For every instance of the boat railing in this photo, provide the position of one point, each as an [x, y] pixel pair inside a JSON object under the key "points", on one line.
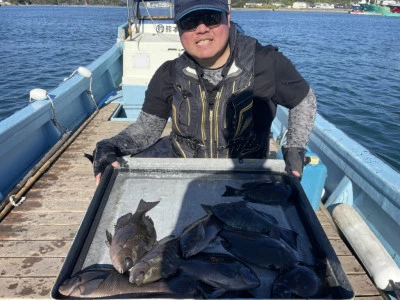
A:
{"points": [[356, 177], [29, 133]]}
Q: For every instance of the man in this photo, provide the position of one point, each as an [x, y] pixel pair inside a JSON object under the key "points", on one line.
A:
{"points": [[221, 95]]}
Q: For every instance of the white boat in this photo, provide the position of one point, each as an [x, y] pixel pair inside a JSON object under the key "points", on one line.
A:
{"points": [[361, 192]]}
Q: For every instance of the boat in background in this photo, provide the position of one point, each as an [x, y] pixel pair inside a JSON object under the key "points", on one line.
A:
{"points": [[341, 173], [356, 9], [374, 9], [389, 8], [394, 11]]}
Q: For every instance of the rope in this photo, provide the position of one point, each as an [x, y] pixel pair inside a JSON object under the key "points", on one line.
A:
{"points": [[15, 199]]}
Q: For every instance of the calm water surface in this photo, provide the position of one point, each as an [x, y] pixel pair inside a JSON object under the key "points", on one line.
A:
{"points": [[352, 62]]}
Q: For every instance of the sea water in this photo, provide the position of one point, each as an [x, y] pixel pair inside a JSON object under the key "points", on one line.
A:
{"points": [[351, 61]]}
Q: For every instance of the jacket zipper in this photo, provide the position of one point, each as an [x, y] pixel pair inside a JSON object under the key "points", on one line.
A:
{"points": [[216, 119], [211, 132], [203, 116]]}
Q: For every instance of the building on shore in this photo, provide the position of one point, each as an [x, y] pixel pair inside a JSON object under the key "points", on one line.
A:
{"points": [[299, 5]]}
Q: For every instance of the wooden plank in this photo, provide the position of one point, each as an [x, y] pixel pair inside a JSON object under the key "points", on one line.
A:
{"points": [[57, 196], [65, 184], [35, 205], [45, 218], [38, 288], [331, 232], [340, 247], [351, 265], [30, 266], [55, 248], [322, 218], [45, 233], [362, 285]]}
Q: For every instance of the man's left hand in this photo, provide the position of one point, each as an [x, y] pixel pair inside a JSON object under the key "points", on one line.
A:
{"points": [[294, 159]]}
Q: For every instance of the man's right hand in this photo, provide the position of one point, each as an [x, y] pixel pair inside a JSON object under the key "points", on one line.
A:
{"points": [[105, 154]]}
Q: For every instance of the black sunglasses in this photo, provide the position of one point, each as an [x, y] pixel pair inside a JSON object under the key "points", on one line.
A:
{"points": [[211, 19]]}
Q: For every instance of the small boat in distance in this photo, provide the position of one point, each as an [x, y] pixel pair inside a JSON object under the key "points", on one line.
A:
{"points": [[394, 11], [356, 9], [389, 8]]}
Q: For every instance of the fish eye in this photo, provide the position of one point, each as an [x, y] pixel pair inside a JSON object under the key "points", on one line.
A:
{"points": [[140, 277], [128, 262]]}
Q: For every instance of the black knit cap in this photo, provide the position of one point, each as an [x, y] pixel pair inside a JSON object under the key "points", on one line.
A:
{"points": [[183, 7]]}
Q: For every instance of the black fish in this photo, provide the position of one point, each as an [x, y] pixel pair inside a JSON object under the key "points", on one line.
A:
{"points": [[300, 281], [240, 216], [198, 235], [258, 249], [223, 272], [261, 192], [161, 261], [134, 236], [105, 282]]}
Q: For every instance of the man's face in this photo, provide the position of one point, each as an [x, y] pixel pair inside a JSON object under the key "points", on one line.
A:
{"points": [[204, 35]]}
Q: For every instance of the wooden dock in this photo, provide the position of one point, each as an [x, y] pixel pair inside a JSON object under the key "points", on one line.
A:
{"points": [[36, 236]]}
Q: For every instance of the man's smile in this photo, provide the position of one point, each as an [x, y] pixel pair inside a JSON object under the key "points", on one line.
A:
{"points": [[203, 42]]}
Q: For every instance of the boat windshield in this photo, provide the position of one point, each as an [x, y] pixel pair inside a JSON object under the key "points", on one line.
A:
{"points": [[152, 9]]}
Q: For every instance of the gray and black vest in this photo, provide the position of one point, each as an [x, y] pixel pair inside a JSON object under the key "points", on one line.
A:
{"points": [[221, 127]]}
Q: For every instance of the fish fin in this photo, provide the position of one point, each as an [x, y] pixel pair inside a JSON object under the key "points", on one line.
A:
{"points": [[216, 293], [109, 238], [123, 220], [209, 291], [275, 233], [289, 237], [144, 206], [207, 208], [201, 231], [89, 287], [165, 239], [231, 192], [226, 245], [149, 219], [89, 157]]}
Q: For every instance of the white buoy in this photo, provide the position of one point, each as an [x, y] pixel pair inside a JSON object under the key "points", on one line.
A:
{"points": [[37, 94], [378, 262], [84, 72]]}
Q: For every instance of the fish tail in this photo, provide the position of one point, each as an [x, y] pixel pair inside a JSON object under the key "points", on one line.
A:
{"points": [[144, 206], [231, 192], [207, 208]]}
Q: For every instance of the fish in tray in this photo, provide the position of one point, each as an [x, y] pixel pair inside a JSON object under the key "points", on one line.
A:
{"points": [[258, 249], [200, 234], [262, 192], [106, 282], [300, 281], [240, 216], [134, 235], [221, 272], [161, 261]]}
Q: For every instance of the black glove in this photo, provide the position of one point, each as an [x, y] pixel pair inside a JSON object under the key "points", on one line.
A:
{"points": [[294, 159], [104, 154]]}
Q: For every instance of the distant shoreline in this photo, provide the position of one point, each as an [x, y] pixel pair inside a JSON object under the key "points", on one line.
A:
{"points": [[319, 10], [334, 10]]}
